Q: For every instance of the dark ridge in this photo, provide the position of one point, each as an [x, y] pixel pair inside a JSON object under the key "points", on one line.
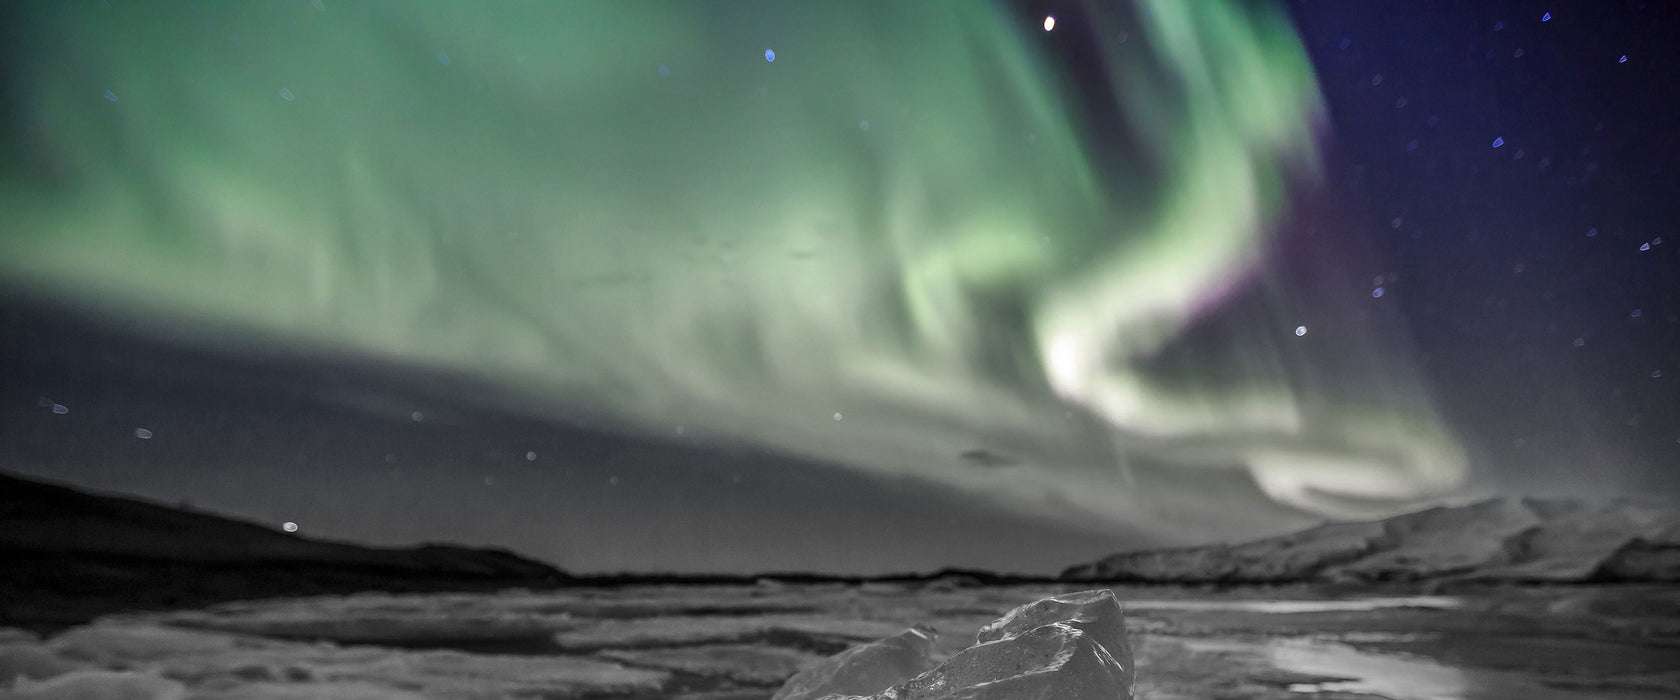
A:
{"points": [[68, 556], [953, 577]]}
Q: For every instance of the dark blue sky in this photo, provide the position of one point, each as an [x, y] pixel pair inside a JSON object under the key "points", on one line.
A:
{"points": [[1532, 281]]}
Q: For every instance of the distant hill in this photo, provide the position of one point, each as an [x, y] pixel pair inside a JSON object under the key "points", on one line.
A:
{"points": [[1509, 540], [68, 555]]}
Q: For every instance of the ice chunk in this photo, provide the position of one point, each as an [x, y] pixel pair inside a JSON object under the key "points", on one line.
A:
{"points": [[1096, 613], [1068, 647], [865, 669]]}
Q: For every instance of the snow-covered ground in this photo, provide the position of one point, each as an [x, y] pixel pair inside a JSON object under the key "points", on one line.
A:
{"points": [[738, 642], [1500, 540]]}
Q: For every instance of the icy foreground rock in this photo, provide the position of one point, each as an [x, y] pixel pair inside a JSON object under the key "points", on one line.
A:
{"points": [[1068, 647], [865, 668]]}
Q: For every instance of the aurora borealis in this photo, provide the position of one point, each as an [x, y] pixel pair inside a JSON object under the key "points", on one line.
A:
{"points": [[842, 287], [909, 246]]}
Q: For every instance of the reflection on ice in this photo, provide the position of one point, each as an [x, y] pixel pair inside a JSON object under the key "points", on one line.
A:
{"points": [[1391, 676], [1409, 677], [1284, 607]]}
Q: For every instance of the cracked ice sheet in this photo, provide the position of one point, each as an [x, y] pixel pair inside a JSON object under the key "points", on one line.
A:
{"points": [[414, 619], [251, 649], [829, 634], [630, 601], [213, 665], [745, 664], [824, 618]]}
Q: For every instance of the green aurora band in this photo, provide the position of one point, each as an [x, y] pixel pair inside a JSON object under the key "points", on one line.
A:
{"points": [[622, 208]]}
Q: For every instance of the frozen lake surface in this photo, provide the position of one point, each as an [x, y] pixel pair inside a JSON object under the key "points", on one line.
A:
{"points": [[739, 642]]}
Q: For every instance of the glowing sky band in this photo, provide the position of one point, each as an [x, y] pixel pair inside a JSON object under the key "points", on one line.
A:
{"points": [[631, 209]]}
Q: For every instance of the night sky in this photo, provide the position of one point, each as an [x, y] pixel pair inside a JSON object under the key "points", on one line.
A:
{"points": [[932, 287], [1519, 174]]}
